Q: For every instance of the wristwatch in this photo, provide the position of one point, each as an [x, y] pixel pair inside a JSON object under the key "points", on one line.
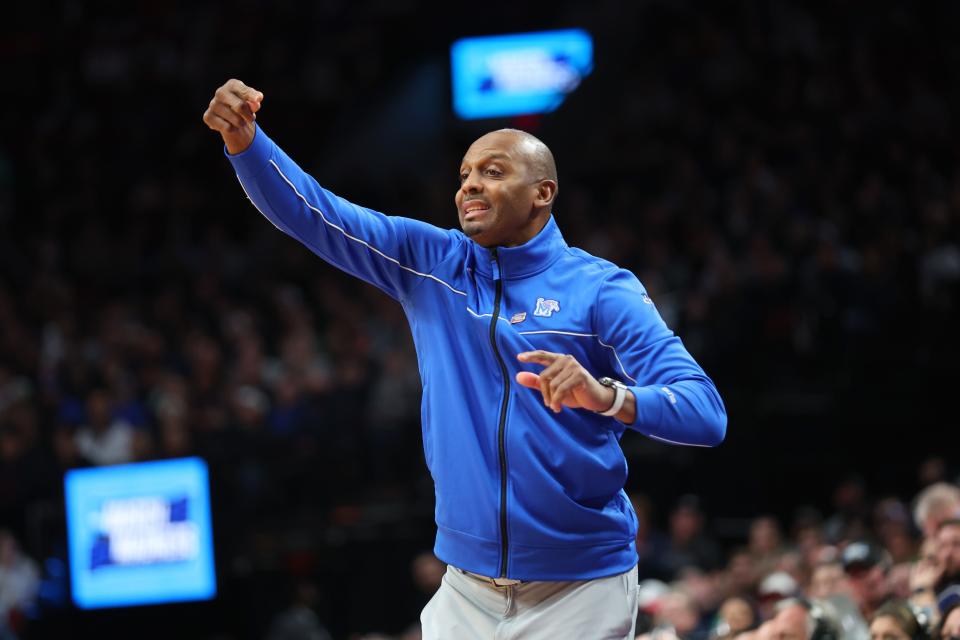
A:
{"points": [[619, 394]]}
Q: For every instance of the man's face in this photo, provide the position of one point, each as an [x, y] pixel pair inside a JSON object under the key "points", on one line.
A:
{"points": [[498, 191], [790, 624], [948, 548], [827, 580], [870, 585]]}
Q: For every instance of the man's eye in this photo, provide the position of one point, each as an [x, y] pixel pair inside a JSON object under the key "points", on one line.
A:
{"points": [[494, 172]]}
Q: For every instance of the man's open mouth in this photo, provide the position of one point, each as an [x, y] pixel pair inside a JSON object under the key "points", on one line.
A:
{"points": [[474, 209]]}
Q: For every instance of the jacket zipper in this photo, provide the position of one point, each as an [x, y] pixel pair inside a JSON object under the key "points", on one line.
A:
{"points": [[501, 432]]}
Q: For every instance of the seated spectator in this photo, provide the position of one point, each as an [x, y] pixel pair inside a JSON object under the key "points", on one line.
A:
{"points": [[690, 546], [765, 543], [933, 505], [652, 543], [19, 581], [678, 612], [104, 439], [798, 619], [774, 589], [867, 567], [948, 553], [827, 579], [735, 616], [899, 620]]}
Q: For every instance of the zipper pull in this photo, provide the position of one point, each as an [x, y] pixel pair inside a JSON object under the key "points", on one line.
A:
{"points": [[495, 265]]}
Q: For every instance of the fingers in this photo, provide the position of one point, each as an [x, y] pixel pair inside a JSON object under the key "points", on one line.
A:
{"points": [[561, 387], [545, 358], [220, 109], [529, 380], [557, 366], [243, 100], [235, 103], [547, 376], [244, 92], [217, 123], [558, 382]]}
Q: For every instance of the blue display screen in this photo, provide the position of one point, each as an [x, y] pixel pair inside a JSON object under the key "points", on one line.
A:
{"points": [[140, 534], [518, 74]]}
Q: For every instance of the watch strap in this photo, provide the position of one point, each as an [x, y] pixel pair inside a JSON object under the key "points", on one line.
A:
{"points": [[619, 395]]}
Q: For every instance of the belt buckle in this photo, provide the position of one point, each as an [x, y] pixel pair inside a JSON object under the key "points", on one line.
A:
{"points": [[505, 582], [497, 582]]}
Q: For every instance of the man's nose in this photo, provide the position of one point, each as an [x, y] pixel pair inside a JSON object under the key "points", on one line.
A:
{"points": [[472, 184]]}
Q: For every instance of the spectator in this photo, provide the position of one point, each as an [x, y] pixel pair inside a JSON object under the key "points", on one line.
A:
{"points": [[774, 589], [897, 620], [791, 622], [828, 579], [652, 543], [925, 574], [892, 527], [735, 616], [765, 542], [690, 546], [104, 439], [803, 620], [19, 581], [678, 612], [933, 505], [948, 553], [867, 568]]}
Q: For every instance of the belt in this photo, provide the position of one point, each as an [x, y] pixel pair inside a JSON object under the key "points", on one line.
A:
{"points": [[497, 582]]}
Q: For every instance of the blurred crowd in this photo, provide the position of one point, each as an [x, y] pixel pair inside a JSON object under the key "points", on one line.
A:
{"points": [[783, 178], [869, 571]]}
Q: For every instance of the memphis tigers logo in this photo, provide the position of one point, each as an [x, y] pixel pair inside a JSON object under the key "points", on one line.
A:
{"points": [[546, 308]]}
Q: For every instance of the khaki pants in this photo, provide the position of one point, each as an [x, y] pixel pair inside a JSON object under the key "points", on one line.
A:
{"points": [[469, 608]]}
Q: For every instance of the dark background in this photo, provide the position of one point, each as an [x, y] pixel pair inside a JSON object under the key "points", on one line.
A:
{"points": [[782, 177]]}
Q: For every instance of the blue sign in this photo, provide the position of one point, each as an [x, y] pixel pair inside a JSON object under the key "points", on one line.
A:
{"points": [[518, 74], [140, 534]]}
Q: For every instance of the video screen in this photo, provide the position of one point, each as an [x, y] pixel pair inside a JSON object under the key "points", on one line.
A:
{"points": [[140, 534], [518, 74]]}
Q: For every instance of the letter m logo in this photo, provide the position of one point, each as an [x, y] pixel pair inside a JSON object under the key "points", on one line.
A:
{"points": [[546, 308]]}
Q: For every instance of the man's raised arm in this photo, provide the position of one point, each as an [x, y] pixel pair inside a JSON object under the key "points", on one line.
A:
{"points": [[393, 253]]}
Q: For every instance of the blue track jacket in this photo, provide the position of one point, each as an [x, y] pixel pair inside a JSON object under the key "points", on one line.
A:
{"points": [[521, 492]]}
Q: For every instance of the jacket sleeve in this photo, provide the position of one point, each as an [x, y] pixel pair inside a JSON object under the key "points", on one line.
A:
{"points": [[391, 252], [676, 401]]}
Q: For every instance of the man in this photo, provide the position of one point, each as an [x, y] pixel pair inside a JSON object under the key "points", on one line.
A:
{"points": [[933, 505], [867, 567], [534, 358], [948, 553], [799, 619], [792, 622]]}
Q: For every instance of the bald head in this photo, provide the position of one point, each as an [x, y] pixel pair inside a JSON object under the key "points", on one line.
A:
{"points": [[532, 150]]}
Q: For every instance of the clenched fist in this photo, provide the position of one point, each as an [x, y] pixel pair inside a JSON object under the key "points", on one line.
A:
{"points": [[232, 112]]}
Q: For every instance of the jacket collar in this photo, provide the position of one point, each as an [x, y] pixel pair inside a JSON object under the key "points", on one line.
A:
{"points": [[524, 260]]}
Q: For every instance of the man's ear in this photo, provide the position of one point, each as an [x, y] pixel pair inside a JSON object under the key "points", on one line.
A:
{"points": [[546, 193]]}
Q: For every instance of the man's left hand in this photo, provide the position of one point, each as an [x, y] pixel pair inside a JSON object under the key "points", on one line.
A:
{"points": [[564, 382]]}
